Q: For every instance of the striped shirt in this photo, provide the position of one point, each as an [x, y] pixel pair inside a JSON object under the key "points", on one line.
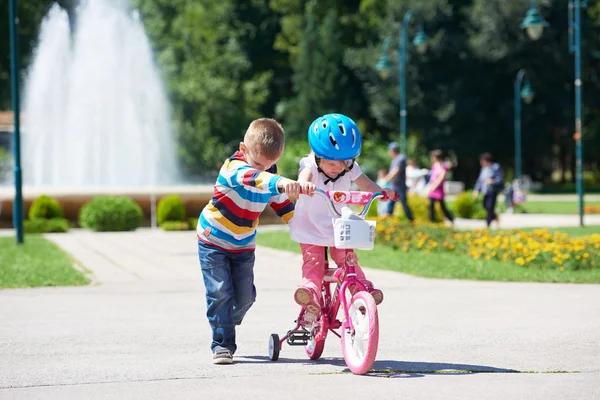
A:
{"points": [[240, 195]]}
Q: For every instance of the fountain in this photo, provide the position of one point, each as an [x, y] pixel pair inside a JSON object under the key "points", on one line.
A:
{"points": [[95, 111], [96, 117]]}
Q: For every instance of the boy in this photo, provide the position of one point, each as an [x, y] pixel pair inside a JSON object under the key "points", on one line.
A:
{"points": [[226, 229]]}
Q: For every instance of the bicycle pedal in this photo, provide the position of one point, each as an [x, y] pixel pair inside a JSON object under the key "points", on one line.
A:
{"points": [[298, 338]]}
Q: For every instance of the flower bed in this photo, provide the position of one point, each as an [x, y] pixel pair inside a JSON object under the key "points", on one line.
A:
{"points": [[540, 249]]}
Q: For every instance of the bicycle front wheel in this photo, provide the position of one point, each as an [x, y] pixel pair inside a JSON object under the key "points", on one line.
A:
{"points": [[360, 345]]}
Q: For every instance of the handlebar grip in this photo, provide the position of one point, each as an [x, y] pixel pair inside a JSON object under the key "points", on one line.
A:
{"points": [[387, 197]]}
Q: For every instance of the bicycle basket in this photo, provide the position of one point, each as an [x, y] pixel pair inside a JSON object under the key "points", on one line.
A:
{"points": [[354, 233]]}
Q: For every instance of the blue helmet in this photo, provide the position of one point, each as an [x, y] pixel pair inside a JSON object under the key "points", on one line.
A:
{"points": [[334, 137]]}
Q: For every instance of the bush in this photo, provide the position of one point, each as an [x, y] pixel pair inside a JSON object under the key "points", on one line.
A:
{"points": [[45, 207], [465, 205], [175, 226], [193, 222], [110, 214], [42, 225], [170, 208], [419, 206], [479, 213]]}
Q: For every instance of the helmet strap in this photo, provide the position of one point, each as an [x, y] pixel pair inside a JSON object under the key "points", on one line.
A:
{"points": [[329, 178]]}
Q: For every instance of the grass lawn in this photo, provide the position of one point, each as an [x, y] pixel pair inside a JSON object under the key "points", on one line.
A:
{"points": [[38, 262], [555, 207], [443, 265], [573, 231]]}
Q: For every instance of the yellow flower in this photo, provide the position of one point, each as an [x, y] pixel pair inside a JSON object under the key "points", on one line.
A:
{"points": [[520, 261]]}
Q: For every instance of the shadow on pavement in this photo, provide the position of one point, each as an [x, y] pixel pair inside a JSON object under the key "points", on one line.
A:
{"points": [[390, 368]]}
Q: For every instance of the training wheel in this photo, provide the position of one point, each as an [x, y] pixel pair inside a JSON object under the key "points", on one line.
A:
{"points": [[274, 347]]}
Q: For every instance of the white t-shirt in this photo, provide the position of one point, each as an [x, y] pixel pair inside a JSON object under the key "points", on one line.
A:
{"points": [[313, 222]]}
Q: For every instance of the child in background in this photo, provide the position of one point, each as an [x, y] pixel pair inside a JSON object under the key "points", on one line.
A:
{"points": [[435, 187]]}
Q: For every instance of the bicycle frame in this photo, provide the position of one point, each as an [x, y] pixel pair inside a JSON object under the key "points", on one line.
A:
{"points": [[332, 301]]}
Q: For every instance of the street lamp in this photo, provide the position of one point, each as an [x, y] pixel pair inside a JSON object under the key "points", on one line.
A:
{"points": [[14, 78], [574, 48], [383, 66], [533, 22], [526, 93]]}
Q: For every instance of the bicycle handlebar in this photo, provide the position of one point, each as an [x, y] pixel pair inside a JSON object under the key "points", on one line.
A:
{"points": [[351, 197]]}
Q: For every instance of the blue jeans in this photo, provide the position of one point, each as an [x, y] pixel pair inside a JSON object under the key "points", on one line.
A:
{"points": [[404, 202], [230, 292]]}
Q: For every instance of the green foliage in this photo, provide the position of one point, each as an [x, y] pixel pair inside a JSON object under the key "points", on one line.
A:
{"points": [[419, 206], [170, 208], [45, 207], [43, 225], [538, 249], [175, 226], [465, 205], [226, 62], [37, 262], [215, 90], [289, 162], [319, 79], [193, 222], [479, 213], [110, 214], [5, 165], [444, 265]]}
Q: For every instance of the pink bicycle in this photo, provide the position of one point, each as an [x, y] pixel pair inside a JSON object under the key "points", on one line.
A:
{"points": [[359, 328]]}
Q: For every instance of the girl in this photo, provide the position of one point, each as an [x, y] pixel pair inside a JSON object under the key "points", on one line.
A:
{"points": [[435, 187], [335, 142]]}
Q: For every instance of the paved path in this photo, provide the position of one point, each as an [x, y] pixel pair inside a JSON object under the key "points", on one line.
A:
{"points": [[140, 332]]}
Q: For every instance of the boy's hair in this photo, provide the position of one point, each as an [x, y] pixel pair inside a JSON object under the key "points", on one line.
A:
{"points": [[265, 136], [486, 157], [437, 154]]}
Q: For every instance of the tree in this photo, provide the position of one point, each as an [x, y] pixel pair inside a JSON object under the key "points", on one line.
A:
{"points": [[214, 90]]}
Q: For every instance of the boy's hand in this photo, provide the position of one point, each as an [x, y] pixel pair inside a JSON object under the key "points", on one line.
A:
{"points": [[475, 195], [290, 187], [307, 188]]}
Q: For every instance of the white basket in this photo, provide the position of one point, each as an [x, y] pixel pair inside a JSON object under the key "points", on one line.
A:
{"points": [[355, 233]]}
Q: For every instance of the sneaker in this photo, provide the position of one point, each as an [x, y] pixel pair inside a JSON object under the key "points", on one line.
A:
{"points": [[306, 298], [310, 317], [222, 356]]}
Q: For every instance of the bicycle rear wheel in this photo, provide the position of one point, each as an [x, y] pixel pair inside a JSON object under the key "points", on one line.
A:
{"points": [[360, 346]]}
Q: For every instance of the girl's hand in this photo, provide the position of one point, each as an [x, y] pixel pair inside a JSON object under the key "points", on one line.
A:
{"points": [[307, 188], [389, 193]]}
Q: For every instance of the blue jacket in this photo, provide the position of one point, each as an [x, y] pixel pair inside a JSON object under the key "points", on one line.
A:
{"points": [[495, 173]]}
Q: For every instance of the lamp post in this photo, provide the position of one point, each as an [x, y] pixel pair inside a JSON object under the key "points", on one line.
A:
{"points": [[575, 48], [533, 29], [14, 78], [526, 93], [383, 66]]}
